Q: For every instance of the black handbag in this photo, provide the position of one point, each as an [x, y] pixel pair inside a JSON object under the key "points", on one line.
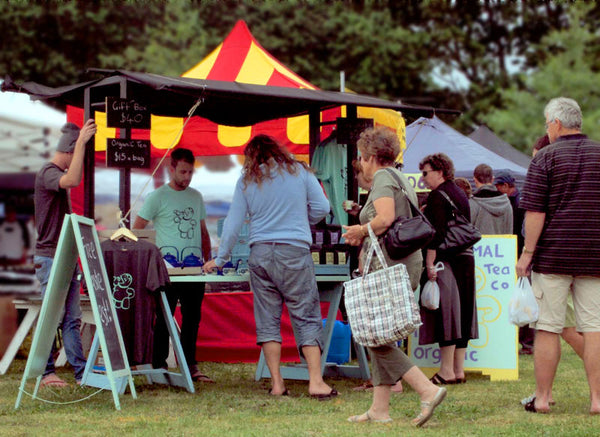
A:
{"points": [[406, 235], [461, 234]]}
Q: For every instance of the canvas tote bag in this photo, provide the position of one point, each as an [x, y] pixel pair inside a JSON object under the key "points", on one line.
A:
{"points": [[381, 306]]}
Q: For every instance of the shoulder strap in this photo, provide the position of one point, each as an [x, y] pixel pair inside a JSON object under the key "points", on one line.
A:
{"points": [[413, 208], [456, 210]]}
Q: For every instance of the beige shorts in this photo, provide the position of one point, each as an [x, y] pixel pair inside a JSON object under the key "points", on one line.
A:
{"points": [[552, 294]]}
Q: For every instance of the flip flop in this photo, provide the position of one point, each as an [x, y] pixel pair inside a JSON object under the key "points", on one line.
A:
{"points": [[201, 377], [285, 393], [429, 407], [438, 380], [52, 380], [327, 396], [355, 419], [528, 399], [367, 385], [530, 407]]}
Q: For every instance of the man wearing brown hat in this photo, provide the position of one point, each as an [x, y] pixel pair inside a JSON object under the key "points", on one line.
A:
{"points": [[52, 182]]}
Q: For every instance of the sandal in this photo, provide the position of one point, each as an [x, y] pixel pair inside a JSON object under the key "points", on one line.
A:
{"points": [[438, 380], [52, 380], [201, 377], [368, 418], [530, 407], [365, 386], [285, 393], [429, 407]]}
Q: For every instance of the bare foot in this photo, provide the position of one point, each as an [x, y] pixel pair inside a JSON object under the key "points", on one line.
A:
{"points": [[319, 389]]}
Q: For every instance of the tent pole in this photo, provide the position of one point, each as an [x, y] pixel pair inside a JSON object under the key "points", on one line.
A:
{"points": [[89, 158], [124, 172], [314, 132], [351, 114]]}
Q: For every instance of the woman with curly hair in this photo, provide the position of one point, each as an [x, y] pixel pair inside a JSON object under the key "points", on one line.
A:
{"points": [[453, 326], [387, 200], [282, 198]]}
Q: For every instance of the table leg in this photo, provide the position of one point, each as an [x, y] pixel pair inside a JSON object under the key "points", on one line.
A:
{"points": [[17, 340]]}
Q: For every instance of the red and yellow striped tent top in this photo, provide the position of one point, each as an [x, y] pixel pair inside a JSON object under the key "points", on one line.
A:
{"points": [[242, 59]]}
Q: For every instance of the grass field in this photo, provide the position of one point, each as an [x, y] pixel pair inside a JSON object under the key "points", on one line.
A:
{"points": [[239, 406]]}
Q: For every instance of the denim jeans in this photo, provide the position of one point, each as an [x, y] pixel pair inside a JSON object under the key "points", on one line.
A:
{"points": [[282, 273], [71, 321]]}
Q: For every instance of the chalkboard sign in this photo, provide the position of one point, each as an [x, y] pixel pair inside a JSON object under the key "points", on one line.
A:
{"points": [[127, 153], [78, 239], [127, 114], [97, 282], [348, 130]]}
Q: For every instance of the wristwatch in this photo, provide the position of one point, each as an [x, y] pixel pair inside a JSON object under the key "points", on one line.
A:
{"points": [[525, 250]]}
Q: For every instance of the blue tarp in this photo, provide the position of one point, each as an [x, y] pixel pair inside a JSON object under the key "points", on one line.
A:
{"points": [[427, 136]]}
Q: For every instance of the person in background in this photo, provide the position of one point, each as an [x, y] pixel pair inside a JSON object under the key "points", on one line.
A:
{"points": [[505, 183], [465, 185], [379, 148], [562, 247], [491, 211], [282, 198], [540, 143], [178, 214], [14, 237], [350, 206], [438, 175], [51, 200]]}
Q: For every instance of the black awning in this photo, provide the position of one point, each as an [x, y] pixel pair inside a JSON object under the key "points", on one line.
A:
{"points": [[227, 103]]}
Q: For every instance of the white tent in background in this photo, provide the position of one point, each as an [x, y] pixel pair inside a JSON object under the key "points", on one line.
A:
{"points": [[29, 132]]}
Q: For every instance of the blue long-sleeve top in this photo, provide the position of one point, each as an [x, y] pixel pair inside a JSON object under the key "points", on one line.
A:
{"points": [[281, 209]]}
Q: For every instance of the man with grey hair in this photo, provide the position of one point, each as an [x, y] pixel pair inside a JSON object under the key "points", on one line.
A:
{"points": [[562, 246]]}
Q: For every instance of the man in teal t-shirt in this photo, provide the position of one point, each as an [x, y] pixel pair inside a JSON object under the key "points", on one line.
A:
{"points": [[178, 214]]}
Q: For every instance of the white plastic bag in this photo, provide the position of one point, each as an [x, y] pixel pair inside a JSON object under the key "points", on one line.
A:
{"points": [[522, 307], [430, 297]]}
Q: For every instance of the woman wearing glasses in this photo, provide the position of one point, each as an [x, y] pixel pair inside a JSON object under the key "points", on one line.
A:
{"points": [[454, 323], [378, 150]]}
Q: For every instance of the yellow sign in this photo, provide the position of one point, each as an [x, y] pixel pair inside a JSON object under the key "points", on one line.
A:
{"points": [[495, 352]]}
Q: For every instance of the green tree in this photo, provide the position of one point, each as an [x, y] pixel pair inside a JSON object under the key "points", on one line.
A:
{"points": [[54, 42], [569, 69]]}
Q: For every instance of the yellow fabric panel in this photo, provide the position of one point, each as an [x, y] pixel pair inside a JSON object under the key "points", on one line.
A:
{"points": [[302, 157], [297, 129], [231, 136], [166, 131], [201, 70], [288, 73], [103, 133], [281, 68], [254, 69]]}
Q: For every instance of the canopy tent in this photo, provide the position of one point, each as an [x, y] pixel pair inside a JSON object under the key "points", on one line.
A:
{"points": [[241, 58], [488, 139], [228, 103], [28, 132], [427, 136]]}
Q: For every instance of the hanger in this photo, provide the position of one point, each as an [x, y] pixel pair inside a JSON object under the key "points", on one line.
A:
{"points": [[123, 231]]}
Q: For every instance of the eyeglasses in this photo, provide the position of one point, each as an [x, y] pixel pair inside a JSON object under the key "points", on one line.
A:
{"points": [[549, 122]]}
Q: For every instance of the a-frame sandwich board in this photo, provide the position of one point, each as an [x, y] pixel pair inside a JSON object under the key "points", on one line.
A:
{"points": [[79, 239]]}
